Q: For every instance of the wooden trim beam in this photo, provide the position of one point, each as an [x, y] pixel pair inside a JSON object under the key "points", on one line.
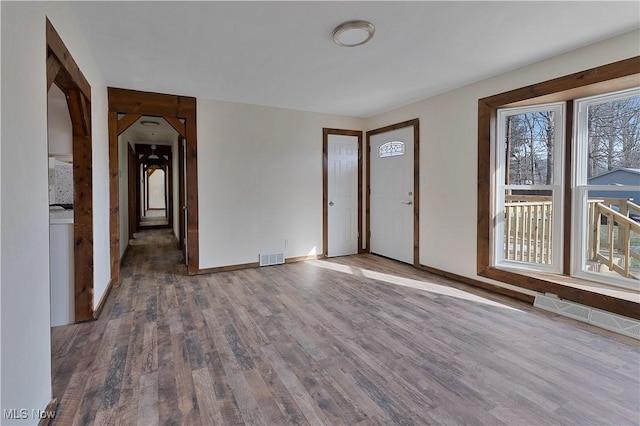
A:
{"points": [[85, 115], [133, 199], [114, 194], [127, 121], [177, 125], [391, 127], [416, 191], [563, 88], [367, 195], [60, 52], [53, 68], [83, 226], [79, 112], [486, 133], [325, 191], [193, 245], [126, 101]]}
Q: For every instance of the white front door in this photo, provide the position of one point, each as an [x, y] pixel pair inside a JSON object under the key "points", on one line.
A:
{"points": [[342, 195], [391, 180]]}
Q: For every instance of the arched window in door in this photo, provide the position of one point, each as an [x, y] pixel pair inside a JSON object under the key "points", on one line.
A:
{"points": [[391, 149]]}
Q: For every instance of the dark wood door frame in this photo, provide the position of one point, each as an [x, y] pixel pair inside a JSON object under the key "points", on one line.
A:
{"points": [[325, 185], [65, 73], [415, 123], [180, 113]]}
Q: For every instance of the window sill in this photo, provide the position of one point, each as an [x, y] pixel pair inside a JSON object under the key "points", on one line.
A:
{"points": [[621, 301]]}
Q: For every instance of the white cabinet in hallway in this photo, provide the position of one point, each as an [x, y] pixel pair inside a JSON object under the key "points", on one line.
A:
{"points": [[62, 272]]}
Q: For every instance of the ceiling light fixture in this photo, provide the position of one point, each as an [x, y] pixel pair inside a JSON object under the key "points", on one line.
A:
{"points": [[353, 33], [149, 123]]}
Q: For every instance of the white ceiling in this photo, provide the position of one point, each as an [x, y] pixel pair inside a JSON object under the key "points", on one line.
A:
{"points": [[281, 53], [162, 134]]}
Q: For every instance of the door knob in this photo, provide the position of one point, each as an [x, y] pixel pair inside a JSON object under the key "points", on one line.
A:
{"points": [[409, 203], [331, 203]]}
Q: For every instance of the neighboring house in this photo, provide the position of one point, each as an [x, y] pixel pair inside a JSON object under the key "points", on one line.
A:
{"points": [[621, 176]]}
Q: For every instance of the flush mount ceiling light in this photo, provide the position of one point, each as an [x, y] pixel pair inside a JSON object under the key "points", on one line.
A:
{"points": [[353, 33], [149, 123]]}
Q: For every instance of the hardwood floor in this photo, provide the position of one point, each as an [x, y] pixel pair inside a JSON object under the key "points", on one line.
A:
{"points": [[352, 340]]}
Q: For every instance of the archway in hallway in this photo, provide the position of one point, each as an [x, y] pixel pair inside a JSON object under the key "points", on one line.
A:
{"points": [[156, 201], [125, 108], [65, 73]]}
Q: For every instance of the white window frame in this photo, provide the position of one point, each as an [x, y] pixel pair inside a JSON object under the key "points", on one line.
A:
{"points": [[557, 188], [579, 189]]}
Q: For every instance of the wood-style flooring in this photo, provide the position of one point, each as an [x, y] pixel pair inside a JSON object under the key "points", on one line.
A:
{"points": [[353, 340], [154, 217]]}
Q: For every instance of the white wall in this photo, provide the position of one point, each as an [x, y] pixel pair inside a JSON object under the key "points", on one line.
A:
{"points": [[260, 180], [260, 168], [157, 188], [59, 127], [100, 148], [1, 120], [448, 151], [25, 333]]}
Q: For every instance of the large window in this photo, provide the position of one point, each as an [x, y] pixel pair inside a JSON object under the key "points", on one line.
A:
{"points": [[529, 187], [605, 174], [607, 188], [580, 232]]}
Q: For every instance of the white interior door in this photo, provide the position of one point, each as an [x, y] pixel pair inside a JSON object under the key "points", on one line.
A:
{"points": [[342, 191], [391, 180]]}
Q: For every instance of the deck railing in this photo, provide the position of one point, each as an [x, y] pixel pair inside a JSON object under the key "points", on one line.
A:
{"points": [[611, 232], [529, 226]]}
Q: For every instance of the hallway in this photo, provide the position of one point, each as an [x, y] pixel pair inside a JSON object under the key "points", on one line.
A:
{"points": [[352, 340]]}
